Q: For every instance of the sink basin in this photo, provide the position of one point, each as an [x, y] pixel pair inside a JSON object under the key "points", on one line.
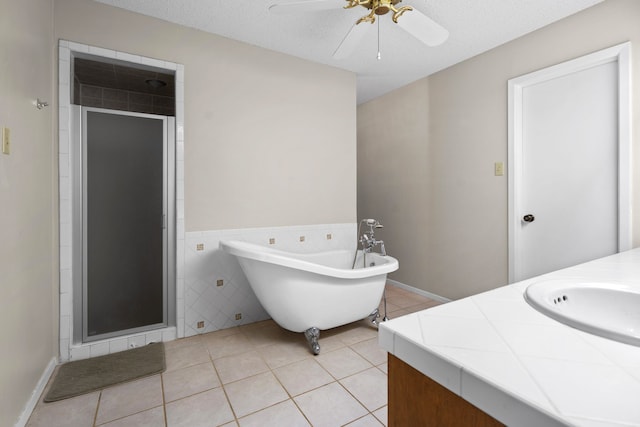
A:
{"points": [[610, 310]]}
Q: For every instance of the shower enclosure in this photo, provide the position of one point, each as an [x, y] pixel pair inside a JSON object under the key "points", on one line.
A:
{"points": [[122, 241]]}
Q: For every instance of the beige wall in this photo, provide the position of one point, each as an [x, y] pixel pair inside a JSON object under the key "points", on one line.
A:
{"points": [[28, 221], [463, 248], [393, 172], [270, 140]]}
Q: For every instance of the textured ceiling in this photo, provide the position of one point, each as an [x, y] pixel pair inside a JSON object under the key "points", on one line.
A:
{"points": [[475, 26]]}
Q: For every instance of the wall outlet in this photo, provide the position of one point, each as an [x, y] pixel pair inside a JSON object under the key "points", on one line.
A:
{"points": [[200, 247], [219, 282], [302, 238], [329, 236], [201, 324], [238, 316], [272, 241]]}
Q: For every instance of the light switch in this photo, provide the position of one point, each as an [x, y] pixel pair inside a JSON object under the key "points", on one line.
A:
{"points": [[498, 169], [6, 141]]}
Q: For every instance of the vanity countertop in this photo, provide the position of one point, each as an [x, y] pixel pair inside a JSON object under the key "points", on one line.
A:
{"points": [[519, 366]]}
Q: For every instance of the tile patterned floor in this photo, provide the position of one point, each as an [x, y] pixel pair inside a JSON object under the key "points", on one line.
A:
{"points": [[253, 375]]}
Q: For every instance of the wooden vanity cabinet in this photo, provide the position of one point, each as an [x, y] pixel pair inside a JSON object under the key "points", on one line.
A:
{"points": [[416, 400]]}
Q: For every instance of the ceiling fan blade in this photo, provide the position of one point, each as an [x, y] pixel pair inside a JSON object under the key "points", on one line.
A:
{"points": [[303, 6], [423, 28], [351, 41]]}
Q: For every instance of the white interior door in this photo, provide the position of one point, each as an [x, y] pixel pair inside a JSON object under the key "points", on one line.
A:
{"points": [[569, 166]]}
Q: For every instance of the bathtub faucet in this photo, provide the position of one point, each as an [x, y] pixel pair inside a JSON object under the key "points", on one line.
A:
{"points": [[369, 241]]}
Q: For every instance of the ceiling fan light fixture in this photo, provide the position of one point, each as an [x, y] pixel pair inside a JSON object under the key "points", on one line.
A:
{"points": [[377, 7], [415, 23]]}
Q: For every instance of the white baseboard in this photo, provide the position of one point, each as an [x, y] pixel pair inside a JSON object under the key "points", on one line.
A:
{"points": [[417, 291], [37, 392]]}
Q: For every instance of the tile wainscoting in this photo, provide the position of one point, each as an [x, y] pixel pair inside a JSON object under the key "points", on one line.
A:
{"points": [[215, 289], [216, 292]]}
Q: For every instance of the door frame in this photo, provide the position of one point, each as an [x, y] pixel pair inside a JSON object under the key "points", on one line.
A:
{"points": [[70, 341], [619, 54]]}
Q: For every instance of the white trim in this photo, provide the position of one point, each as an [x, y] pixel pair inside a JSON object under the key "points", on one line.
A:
{"points": [[625, 225], [36, 393], [621, 54], [417, 291]]}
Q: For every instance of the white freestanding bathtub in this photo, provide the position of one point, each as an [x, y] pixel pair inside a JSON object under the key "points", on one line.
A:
{"points": [[309, 292]]}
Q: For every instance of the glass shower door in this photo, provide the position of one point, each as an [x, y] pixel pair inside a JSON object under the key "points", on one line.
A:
{"points": [[124, 230]]}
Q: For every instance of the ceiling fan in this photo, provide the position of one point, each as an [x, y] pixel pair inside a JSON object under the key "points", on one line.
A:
{"points": [[409, 19]]}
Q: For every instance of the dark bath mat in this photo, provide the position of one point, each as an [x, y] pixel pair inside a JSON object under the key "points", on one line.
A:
{"points": [[84, 376]]}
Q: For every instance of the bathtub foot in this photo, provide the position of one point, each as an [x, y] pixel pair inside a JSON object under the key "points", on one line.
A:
{"points": [[312, 335], [374, 316]]}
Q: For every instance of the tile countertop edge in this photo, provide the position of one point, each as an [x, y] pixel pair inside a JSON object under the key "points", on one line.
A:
{"points": [[505, 406], [445, 372], [490, 398]]}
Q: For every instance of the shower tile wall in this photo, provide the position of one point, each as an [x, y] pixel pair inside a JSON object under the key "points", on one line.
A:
{"points": [[117, 99], [119, 87], [215, 288]]}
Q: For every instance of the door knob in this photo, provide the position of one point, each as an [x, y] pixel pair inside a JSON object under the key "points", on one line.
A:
{"points": [[528, 218]]}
